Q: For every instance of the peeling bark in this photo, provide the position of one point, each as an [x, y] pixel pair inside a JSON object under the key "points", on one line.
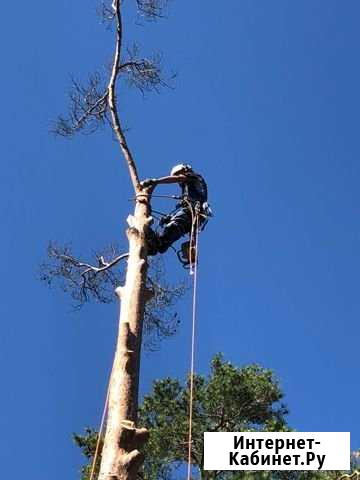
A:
{"points": [[121, 456]]}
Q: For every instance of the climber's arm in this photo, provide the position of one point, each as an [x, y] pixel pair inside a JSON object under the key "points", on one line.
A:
{"points": [[153, 182]]}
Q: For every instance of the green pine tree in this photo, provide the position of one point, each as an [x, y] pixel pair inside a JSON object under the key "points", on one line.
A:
{"points": [[231, 398]]}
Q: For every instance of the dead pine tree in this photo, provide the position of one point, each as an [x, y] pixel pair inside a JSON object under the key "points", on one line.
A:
{"points": [[92, 104]]}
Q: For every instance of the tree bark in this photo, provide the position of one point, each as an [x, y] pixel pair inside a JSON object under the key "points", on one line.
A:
{"points": [[121, 457]]}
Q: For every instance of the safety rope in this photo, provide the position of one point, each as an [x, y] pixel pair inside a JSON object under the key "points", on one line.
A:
{"points": [[102, 423], [194, 231]]}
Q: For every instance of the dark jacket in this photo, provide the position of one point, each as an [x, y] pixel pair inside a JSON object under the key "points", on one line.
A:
{"points": [[195, 188]]}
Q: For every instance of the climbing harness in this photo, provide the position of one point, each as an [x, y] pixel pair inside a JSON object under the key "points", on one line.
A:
{"points": [[186, 253], [200, 214]]}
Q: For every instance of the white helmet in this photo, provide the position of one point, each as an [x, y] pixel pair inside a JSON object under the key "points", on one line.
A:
{"points": [[182, 167]]}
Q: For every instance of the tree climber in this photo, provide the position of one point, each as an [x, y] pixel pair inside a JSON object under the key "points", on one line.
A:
{"points": [[193, 200]]}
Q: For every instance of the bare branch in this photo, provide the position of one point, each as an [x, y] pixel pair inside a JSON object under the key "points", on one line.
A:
{"points": [[106, 13], [82, 280], [95, 103], [96, 281], [90, 268], [151, 9], [112, 101], [145, 74], [87, 109]]}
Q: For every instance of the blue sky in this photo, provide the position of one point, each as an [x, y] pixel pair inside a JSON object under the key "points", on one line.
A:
{"points": [[266, 106]]}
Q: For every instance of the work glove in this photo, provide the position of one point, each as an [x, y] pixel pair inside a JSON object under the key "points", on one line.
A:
{"points": [[148, 182], [164, 220]]}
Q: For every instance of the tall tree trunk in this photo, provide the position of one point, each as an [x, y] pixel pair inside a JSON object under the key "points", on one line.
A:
{"points": [[121, 457]]}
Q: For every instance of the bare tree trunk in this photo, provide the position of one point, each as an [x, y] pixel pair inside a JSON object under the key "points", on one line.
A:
{"points": [[91, 106], [121, 457]]}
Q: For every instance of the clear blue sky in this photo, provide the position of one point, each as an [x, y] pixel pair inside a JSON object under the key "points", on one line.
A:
{"points": [[266, 106]]}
